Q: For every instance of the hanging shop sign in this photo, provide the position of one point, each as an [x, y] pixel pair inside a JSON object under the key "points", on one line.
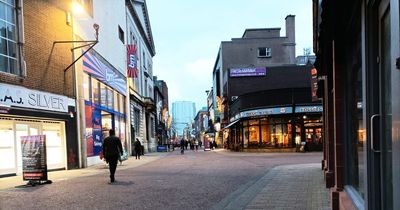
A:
{"points": [[248, 72], [100, 69], [34, 165], [314, 84], [16, 96]]}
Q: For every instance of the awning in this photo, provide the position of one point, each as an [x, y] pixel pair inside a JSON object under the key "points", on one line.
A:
{"points": [[230, 124]]}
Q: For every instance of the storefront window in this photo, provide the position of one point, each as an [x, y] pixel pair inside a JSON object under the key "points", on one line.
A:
{"points": [[7, 147], [110, 98], [266, 135], [245, 136], [54, 144], [103, 95], [122, 132], [116, 100], [122, 104], [254, 135], [85, 85], [95, 91]]}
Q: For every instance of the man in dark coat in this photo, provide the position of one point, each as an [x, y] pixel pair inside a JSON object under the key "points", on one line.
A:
{"points": [[112, 150], [138, 148]]}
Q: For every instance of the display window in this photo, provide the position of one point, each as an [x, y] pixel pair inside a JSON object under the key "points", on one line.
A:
{"points": [[11, 131]]}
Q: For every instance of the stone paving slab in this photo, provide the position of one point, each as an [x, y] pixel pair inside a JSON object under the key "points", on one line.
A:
{"points": [[283, 187]]}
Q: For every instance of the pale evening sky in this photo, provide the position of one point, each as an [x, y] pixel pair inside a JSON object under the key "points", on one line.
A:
{"points": [[187, 35]]}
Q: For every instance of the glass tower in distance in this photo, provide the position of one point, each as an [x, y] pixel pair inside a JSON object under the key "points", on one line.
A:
{"points": [[183, 113]]}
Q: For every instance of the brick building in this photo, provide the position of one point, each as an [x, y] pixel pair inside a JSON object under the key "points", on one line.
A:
{"points": [[36, 89]]}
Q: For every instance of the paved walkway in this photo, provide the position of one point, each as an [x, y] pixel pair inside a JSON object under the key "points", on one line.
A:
{"points": [[283, 187], [297, 187], [15, 181]]}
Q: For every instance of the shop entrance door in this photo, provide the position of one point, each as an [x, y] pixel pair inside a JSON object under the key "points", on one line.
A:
{"points": [[380, 183], [24, 129]]}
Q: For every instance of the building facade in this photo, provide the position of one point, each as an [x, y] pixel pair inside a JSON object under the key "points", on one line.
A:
{"points": [[261, 62], [183, 113], [200, 124], [273, 110], [161, 101], [36, 89], [357, 47], [100, 76], [141, 86]]}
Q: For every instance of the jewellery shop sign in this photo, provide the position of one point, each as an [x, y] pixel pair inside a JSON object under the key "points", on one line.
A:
{"points": [[15, 96]]}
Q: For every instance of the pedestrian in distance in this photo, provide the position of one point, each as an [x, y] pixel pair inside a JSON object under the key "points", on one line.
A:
{"points": [[196, 144], [182, 146], [138, 148], [112, 150]]}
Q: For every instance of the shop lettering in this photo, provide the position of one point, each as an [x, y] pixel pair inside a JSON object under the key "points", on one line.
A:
{"points": [[310, 109], [97, 144], [11, 99], [44, 101]]}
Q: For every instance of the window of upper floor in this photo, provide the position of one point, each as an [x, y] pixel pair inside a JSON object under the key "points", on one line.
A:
{"points": [[121, 34], [9, 50], [264, 52]]}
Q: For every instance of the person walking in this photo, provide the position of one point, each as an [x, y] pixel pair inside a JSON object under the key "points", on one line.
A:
{"points": [[196, 144], [182, 146], [138, 148], [112, 150]]}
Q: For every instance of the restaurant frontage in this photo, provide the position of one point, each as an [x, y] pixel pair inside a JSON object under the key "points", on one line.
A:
{"points": [[276, 129]]}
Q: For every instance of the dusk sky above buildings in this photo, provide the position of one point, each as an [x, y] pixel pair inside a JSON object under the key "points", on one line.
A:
{"points": [[187, 36]]}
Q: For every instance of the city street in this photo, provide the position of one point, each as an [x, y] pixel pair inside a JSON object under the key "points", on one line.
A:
{"points": [[216, 179]]}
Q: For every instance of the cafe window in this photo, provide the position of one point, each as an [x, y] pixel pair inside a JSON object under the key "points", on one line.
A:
{"points": [[266, 135]]}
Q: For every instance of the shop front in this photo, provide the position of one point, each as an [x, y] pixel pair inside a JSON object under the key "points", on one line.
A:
{"points": [[27, 112], [276, 128], [104, 92]]}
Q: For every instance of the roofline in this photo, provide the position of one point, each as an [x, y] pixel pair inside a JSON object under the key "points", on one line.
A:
{"points": [[148, 40], [259, 29]]}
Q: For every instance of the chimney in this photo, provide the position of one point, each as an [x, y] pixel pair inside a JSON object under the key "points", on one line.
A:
{"points": [[290, 28]]}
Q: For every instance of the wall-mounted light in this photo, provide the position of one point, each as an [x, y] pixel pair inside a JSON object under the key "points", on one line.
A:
{"points": [[304, 117], [77, 8]]}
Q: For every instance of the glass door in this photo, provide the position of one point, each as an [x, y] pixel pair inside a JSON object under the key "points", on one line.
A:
{"points": [[381, 192], [385, 106]]}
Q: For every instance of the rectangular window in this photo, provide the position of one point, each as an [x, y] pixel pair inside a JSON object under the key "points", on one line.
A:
{"points": [[116, 102], [103, 95], [136, 117], [8, 38], [85, 84], [152, 127], [264, 52], [121, 34], [110, 98], [95, 91]]}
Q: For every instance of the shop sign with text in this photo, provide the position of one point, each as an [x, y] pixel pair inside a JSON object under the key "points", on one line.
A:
{"points": [[15, 96], [248, 72]]}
